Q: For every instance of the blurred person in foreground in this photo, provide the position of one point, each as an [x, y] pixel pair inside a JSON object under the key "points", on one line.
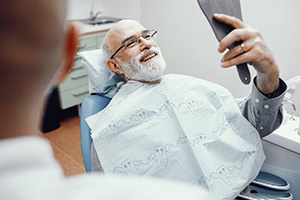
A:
{"points": [[37, 50]]}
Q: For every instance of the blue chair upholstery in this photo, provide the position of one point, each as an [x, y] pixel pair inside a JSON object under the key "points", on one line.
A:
{"points": [[90, 105]]}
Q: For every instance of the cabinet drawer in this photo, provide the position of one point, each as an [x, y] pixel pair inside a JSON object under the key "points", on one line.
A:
{"points": [[77, 77], [73, 97], [99, 40], [87, 43], [77, 62]]}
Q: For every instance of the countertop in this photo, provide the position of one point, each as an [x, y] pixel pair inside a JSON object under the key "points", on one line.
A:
{"points": [[86, 29]]}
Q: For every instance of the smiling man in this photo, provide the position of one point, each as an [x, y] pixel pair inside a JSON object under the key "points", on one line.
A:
{"points": [[183, 128], [145, 66]]}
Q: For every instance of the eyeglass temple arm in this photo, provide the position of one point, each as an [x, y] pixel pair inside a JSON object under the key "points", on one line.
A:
{"points": [[116, 51]]}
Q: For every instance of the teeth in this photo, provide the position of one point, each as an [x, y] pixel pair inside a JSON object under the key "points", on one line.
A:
{"points": [[148, 57]]}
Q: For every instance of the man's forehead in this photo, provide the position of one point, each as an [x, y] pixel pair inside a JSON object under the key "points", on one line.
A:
{"points": [[125, 29]]}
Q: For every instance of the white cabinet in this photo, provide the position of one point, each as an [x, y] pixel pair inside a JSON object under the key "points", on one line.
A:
{"points": [[75, 86]]}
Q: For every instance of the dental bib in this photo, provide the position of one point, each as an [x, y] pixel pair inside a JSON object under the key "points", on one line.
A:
{"points": [[184, 129]]}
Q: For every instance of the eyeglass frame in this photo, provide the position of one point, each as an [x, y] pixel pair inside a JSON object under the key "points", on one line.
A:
{"points": [[138, 40]]}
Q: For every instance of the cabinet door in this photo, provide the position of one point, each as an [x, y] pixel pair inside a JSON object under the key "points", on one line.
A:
{"points": [[75, 86]]}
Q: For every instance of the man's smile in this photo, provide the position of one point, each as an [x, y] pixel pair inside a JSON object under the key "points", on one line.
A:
{"points": [[148, 56]]}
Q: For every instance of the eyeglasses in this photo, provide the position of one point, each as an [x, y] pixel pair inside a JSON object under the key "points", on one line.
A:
{"points": [[134, 40]]}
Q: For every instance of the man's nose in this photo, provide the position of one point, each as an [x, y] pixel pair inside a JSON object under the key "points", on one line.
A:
{"points": [[144, 43]]}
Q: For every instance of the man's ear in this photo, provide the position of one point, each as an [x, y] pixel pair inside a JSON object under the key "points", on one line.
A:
{"points": [[70, 50], [114, 66]]}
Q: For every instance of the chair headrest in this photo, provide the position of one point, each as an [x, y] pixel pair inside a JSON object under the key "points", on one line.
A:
{"points": [[101, 79]]}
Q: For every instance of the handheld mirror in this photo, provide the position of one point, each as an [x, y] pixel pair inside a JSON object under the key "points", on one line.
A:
{"points": [[228, 7]]}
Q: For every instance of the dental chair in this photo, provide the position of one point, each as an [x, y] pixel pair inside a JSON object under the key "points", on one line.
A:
{"points": [[90, 105], [265, 186], [102, 86]]}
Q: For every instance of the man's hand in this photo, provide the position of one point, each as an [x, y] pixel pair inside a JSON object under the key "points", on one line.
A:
{"points": [[252, 50]]}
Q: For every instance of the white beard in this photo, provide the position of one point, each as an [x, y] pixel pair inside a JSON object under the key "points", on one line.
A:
{"points": [[152, 71]]}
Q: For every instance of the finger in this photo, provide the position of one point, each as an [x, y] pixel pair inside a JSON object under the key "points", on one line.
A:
{"points": [[234, 52], [233, 21], [234, 36], [242, 58]]}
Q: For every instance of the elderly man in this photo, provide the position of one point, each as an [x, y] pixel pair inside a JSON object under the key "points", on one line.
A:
{"points": [[180, 127], [37, 45]]}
